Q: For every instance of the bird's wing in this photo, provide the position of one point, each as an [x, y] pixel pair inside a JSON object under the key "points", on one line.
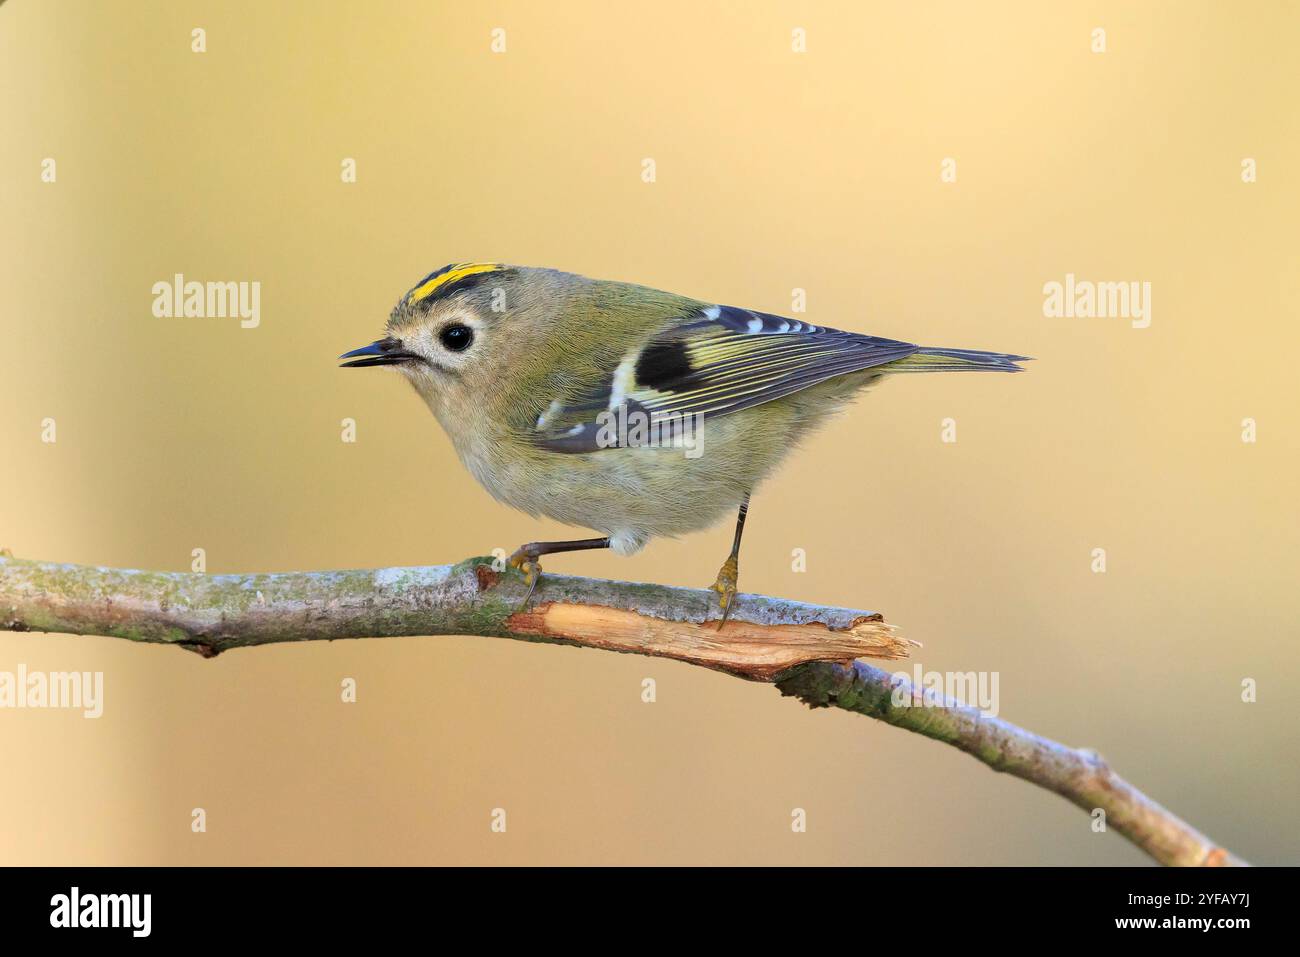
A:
{"points": [[715, 361]]}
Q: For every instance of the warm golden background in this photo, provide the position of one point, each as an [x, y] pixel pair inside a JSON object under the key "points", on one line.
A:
{"points": [[775, 170]]}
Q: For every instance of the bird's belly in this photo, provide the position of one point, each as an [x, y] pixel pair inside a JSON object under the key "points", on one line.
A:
{"points": [[636, 493]]}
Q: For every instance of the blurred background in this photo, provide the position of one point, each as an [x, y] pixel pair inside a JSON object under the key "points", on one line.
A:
{"points": [[775, 170]]}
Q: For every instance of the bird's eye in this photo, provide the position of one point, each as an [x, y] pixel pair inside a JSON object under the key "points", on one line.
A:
{"points": [[456, 338]]}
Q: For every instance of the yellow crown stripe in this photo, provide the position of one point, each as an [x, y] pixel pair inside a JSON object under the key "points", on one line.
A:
{"points": [[455, 274]]}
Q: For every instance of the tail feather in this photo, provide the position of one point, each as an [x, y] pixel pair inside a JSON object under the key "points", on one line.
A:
{"points": [[956, 360]]}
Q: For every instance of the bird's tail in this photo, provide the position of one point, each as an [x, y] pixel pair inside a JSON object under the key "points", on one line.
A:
{"points": [[956, 360]]}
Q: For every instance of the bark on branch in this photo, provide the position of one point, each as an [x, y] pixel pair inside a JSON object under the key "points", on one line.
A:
{"points": [[807, 651]]}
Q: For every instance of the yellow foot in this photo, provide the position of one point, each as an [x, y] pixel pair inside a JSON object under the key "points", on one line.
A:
{"points": [[725, 586], [527, 563]]}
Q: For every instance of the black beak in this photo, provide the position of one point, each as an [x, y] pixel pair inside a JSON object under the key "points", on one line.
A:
{"points": [[382, 352]]}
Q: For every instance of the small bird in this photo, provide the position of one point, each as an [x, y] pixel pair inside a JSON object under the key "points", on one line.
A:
{"points": [[631, 411]]}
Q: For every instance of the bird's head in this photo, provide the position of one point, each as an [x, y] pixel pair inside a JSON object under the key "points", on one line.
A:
{"points": [[451, 334]]}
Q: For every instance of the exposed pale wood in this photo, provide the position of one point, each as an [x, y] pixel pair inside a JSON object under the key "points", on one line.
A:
{"points": [[757, 651]]}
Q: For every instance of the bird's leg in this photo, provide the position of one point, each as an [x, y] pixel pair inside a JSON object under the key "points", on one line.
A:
{"points": [[526, 558], [728, 574]]}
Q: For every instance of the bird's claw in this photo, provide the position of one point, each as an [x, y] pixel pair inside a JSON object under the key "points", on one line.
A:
{"points": [[528, 563], [725, 586]]}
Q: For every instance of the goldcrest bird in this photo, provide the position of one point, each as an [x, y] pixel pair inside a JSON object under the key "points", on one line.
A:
{"points": [[624, 409]]}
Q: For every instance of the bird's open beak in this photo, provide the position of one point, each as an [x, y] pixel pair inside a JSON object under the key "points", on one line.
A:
{"points": [[382, 352]]}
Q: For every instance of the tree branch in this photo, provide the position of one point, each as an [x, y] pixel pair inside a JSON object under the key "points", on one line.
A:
{"points": [[808, 651]]}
